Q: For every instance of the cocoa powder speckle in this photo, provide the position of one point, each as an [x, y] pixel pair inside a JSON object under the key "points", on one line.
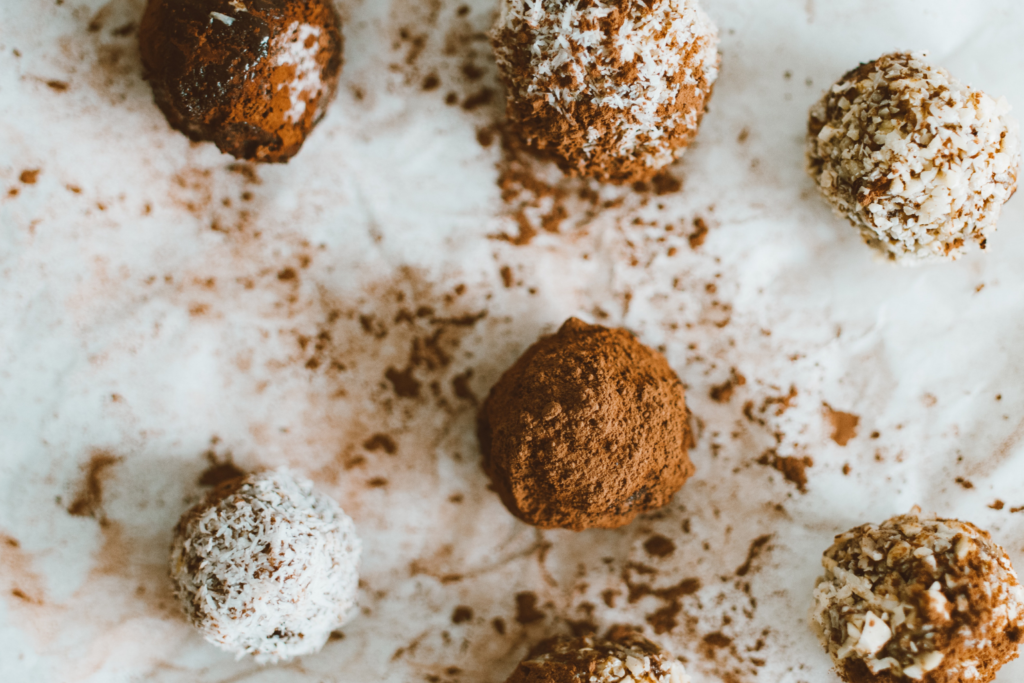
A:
{"points": [[844, 425], [88, 499], [659, 546], [526, 608]]}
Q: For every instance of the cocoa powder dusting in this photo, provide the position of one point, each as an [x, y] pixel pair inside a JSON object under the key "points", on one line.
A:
{"points": [[699, 234], [587, 429], [666, 617], [659, 546], [381, 442], [526, 608], [722, 393], [88, 500], [757, 546], [793, 468], [219, 471], [844, 425]]}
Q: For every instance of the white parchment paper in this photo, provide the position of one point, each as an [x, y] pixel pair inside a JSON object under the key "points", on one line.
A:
{"points": [[161, 309]]}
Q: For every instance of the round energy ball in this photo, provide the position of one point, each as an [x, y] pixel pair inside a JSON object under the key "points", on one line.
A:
{"points": [[621, 656], [266, 566], [918, 599], [252, 76], [587, 429], [610, 91], [920, 163]]}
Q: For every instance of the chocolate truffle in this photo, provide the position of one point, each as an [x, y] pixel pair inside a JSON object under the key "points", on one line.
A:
{"points": [[918, 599], [613, 91], [622, 656], [252, 76], [920, 163], [587, 429], [266, 566]]}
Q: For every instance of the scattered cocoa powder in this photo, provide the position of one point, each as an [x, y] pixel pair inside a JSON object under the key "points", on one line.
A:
{"points": [[460, 385], [219, 471], [792, 468], [665, 183], [507, 278], [722, 393], [526, 608], [88, 500], [462, 614], [381, 442], [997, 505], [587, 429], [699, 234], [404, 384], [757, 546], [967, 484], [659, 546], [665, 618], [844, 425], [29, 177]]}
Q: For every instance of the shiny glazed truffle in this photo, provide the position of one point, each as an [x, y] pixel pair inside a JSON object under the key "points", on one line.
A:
{"points": [[611, 90], [918, 598], [920, 163], [622, 656], [587, 429], [266, 566], [252, 76]]}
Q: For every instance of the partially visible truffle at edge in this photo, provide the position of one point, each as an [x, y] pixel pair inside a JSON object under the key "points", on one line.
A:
{"points": [[587, 429], [622, 656], [918, 598], [613, 91], [252, 76]]}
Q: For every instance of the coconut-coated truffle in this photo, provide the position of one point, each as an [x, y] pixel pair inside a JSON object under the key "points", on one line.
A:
{"points": [[610, 90], [622, 656], [919, 162], [266, 566], [918, 598], [587, 429], [252, 76]]}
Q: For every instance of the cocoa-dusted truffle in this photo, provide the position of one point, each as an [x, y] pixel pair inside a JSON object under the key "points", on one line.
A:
{"points": [[918, 599], [266, 566], [622, 656], [252, 76], [611, 90], [920, 163], [587, 429]]}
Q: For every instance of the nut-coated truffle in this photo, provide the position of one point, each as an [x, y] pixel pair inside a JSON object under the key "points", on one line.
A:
{"points": [[611, 90], [918, 162], [587, 429], [252, 76], [266, 566], [918, 598], [622, 656]]}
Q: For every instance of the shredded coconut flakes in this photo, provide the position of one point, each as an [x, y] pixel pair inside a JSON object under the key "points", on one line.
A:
{"points": [[270, 570], [294, 51], [634, 70], [918, 161]]}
